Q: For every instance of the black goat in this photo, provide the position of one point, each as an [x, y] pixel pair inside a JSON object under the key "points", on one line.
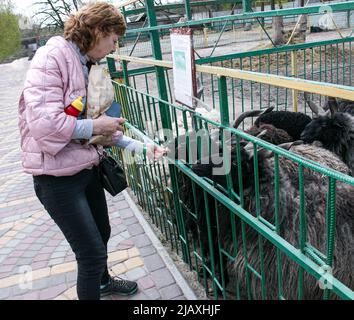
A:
{"points": [[335, 130], [291, 122]]}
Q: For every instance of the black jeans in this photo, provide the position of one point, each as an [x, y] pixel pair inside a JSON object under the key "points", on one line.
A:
{"points": [[78, 206]]}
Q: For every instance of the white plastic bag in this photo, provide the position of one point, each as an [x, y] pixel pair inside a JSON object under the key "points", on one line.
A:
{"points": [[326, 22], [100, 92], [100, 95]]}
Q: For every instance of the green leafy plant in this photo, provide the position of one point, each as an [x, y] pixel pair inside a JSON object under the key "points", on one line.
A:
{"points": [[10, 36]]}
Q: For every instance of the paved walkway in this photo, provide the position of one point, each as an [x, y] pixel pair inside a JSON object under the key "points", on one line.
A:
{"points": [[36, 261]]}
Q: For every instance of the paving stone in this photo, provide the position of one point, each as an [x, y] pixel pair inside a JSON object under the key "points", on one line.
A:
{"points": [[5, 251], [10, 219], [125, 244], [64, 249], [29, 229], [33, 295], [4, 293], [71, 276], [162, 278], [147, 251], [141, 241], [154, 262], [23, 246], [20, 236], [29, 254], [146, 283], [30, 239], [126, 213], [59, 254], [135, 229], [136, 274], [10, 261], [133, 263], [180, 298], [52, 292], [57, 280], [125, 235], [3, 231], [152, 294], [170, 292], [39, 265], [139, 296], [115, 240], [42, 241], [13, 243], [55, 261], [24, 261], [2, 258], [6, 268], [130, 221], [36, 247]]}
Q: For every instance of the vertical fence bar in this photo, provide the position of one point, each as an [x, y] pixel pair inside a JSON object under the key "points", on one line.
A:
{"points": [[331, 224], [302, 240]]}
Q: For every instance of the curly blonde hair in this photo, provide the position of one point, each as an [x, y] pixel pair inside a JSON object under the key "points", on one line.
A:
{"points": [[92, 22]]}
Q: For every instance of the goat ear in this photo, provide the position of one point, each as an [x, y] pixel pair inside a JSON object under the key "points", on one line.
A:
{"points": [[333, 106]]}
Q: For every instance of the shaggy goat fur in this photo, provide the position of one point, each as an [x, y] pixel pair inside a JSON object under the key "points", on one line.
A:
{"points": [[315, 191]]}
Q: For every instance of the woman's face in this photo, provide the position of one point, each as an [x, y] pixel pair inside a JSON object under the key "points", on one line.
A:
{"points": [[104, 46]]}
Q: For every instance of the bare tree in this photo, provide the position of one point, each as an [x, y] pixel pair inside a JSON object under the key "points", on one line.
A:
{"points": [[53, 13], [278, 25]]}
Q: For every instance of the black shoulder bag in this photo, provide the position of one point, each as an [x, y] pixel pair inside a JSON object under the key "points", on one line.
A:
{"points": [[111, 174]]}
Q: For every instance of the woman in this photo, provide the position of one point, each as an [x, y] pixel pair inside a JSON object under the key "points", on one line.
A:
{"points": [[64, 168]]}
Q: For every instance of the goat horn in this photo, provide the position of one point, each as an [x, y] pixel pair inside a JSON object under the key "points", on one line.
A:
{"points": [[315, 109], [249, 145], [249, 114], [288, 145]]}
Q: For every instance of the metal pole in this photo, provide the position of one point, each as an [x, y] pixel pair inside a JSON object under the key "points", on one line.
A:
{"points": [[157, 54], [188, 9], [247, 7]]}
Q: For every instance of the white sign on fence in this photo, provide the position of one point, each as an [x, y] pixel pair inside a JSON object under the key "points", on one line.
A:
{"points": [[183, 66]]}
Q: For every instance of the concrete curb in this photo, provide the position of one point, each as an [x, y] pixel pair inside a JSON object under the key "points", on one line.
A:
{"points": [[180, 280]]}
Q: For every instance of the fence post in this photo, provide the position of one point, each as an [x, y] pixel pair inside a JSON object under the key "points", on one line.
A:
{"points": [[294, 74], [160, 75], [188, 10], [205, 32]]}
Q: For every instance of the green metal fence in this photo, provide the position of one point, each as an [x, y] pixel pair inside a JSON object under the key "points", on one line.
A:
{"points": [[325, 61], [236, 230], [217, 229]]}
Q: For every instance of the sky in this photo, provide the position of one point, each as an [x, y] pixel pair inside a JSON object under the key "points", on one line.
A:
{"points": [[25, 6]]}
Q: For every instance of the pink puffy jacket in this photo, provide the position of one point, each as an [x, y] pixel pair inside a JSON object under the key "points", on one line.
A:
{"points": [[54, 80]]}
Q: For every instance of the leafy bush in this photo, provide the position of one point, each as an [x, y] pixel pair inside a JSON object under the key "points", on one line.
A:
{"points": [[10, 36]]}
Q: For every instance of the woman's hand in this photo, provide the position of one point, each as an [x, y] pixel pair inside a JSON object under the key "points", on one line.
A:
{"points": [[155, 152], [107, 125]]}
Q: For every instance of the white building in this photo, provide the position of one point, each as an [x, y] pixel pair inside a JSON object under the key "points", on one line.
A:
{"points": [[25, 23]]}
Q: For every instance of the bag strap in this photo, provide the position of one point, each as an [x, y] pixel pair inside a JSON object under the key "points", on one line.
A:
{"points": [[100, 155]]}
